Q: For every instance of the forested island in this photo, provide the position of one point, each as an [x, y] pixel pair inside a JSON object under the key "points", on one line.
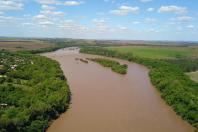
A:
{"points": [[114, 65], [33, 92]]}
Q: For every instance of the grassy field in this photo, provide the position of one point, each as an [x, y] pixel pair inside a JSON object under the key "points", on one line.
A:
{"points": [[158, 52], [19, 45], [193, 76]]}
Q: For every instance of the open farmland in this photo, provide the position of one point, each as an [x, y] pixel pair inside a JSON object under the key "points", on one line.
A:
{"points": [[158, 52], [19, 45]]}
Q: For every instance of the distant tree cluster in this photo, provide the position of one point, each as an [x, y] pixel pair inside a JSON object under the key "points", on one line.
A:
{"points": [[33, 90], [114, 65]]}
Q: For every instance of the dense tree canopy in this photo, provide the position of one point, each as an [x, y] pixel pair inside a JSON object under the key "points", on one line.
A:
{"points": [[114, 65], [187, 64], [33, 90]]}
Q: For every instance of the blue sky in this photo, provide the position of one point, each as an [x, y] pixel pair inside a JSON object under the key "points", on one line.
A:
{"points": [[101, 19]]}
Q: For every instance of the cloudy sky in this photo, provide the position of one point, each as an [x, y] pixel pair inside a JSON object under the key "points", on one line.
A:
{"points": [[101, 19]]}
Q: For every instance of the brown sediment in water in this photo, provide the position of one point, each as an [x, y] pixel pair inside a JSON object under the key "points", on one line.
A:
{"points": [[104, 101]]}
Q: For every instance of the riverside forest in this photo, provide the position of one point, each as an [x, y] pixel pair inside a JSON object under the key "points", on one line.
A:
{"points": [[35, 91], [98, 66]]}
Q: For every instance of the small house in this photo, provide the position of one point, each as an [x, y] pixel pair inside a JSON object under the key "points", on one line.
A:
{"points": [[3, 105]]}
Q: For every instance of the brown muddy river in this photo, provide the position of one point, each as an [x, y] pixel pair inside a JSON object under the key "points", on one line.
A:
{"points": [[105, 101]]}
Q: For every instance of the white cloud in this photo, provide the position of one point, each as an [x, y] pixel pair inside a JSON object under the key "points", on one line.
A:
{"points": [[27, 24], [153, 30], [190, 27], [6, 5], [136, 22], [50, 11], [68, 24], [8, 21], [122, 28], [100, 24], [48, 16], [144, 1], [41, 17], [184, 18], [112, 1], [5, 18], [45, 3], [46, 23], [54, 13], [150, 9], [47, 7], [72, 3], [27, 15], [150, 20], [48, 1], [125, 10], [71, 25], [172, 9]]}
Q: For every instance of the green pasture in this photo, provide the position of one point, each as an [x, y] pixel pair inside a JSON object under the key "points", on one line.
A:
{"points": [[158, 52]]}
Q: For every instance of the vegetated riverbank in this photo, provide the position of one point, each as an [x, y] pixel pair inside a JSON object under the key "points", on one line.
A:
{"points": [[114, 65], [33, 91], [176, 88]]}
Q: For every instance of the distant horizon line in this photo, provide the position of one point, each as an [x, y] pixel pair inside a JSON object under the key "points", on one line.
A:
{"points": [[160, 40]]}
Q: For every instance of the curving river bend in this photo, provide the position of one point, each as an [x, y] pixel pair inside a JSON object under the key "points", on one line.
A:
{"points": [[104, 101]]}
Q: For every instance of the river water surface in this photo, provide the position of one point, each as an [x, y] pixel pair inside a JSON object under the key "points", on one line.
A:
{"points": [[104, 101]]}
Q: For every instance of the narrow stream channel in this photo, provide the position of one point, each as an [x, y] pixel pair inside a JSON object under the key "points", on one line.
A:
{"points": [[104, 101]]}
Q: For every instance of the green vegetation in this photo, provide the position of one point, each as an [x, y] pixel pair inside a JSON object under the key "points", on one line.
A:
{"points": [[33, 91], [157, 52], [82, 60], [186, 64], [114, 65], [176, 88], [193, 76]]}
